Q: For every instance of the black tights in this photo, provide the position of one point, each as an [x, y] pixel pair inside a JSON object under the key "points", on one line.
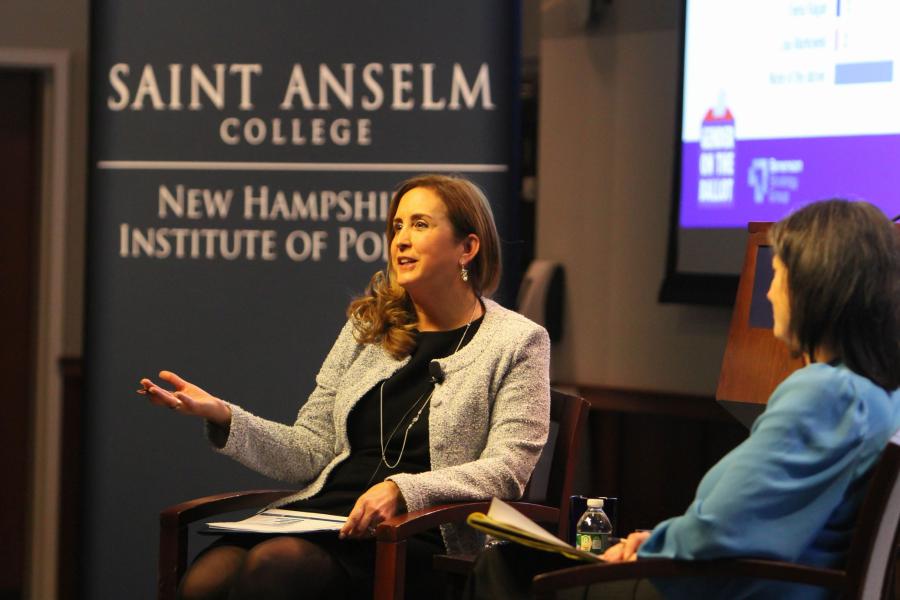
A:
{"points": [[242, 566], [277, 567]]}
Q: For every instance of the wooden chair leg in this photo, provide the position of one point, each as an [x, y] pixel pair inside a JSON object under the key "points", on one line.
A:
{"points": [[390, 570], [172, 559]]}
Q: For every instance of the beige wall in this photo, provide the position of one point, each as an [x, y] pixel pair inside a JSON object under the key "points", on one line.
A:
{"points": [[62, 25], [607, 123]]}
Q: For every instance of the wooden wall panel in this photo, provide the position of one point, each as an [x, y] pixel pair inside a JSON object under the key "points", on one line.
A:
{"points": [[651, 449]]}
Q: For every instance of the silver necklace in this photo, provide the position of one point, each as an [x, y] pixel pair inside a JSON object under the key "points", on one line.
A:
{"points": [[415, 419]]}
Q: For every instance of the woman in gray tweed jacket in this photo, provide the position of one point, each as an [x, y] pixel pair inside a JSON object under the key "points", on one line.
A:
{"points": [[432, 393]]}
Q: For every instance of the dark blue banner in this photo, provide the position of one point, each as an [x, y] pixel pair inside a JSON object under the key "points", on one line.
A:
{"points": [[243, 158]]}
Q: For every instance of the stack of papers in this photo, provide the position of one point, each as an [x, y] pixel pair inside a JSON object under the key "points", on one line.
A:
{"points": [[279, 520], [505, 522]]}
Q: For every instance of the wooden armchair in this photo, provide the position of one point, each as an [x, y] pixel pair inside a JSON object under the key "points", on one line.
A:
{"points": [[867, 574], [545, 501]]}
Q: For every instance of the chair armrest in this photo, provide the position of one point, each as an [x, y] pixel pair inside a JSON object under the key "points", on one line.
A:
{"points": [[404, 526], [547, 583], [200, 508], [461, 564]]}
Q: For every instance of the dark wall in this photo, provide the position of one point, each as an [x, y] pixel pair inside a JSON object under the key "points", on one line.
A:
{"points": [[19, 170], [651, 450]]}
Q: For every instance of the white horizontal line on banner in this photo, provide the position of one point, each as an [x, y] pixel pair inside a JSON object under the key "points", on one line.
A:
{"points": [[175, 165]]}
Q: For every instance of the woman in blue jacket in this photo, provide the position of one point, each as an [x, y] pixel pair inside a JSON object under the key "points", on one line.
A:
{"points": [[791, 491]]}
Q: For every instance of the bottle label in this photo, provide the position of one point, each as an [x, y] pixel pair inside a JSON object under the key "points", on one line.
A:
{"points": [[591, 542]]}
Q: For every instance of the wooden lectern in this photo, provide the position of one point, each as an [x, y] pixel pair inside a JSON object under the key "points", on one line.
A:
{"points": [[754, 362]]}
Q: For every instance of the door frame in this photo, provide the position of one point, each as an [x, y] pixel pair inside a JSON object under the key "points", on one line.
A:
{"points": [[54, 68]]}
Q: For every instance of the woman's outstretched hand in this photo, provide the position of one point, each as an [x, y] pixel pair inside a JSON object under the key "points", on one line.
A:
{"points": [[626, 550], [187, 399], [381, 501]]}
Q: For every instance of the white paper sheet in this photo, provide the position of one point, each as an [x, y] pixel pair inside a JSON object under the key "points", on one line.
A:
{"points": [[279, 520]]}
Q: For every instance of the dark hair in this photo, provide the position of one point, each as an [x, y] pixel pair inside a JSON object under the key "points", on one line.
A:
{"points": [[843, 278], [384, 313]]}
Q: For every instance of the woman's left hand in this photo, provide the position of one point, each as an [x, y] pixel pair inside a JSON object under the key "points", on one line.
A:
{"points": [[626, 550], [381, 501]]}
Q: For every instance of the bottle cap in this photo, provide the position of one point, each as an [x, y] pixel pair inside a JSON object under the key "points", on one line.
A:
{"points": [[595, 502]]}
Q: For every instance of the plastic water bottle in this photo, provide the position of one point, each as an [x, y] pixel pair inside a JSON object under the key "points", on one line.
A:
{"points": [[593, 528]]}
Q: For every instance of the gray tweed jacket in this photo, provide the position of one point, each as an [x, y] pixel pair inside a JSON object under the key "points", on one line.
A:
{"points": [[488, 420]]}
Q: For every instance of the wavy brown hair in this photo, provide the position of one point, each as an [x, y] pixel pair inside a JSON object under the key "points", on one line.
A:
{"points": [[384, 314], [843, 278]]}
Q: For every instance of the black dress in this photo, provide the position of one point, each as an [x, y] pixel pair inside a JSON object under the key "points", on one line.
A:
{"points": [[404, 399]]}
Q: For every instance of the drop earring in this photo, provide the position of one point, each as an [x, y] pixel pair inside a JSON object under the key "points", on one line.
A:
{"points": [[464, 272]]}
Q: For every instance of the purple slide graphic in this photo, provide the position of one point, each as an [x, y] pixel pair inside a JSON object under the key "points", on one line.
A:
{"points": [[763, 180]]}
